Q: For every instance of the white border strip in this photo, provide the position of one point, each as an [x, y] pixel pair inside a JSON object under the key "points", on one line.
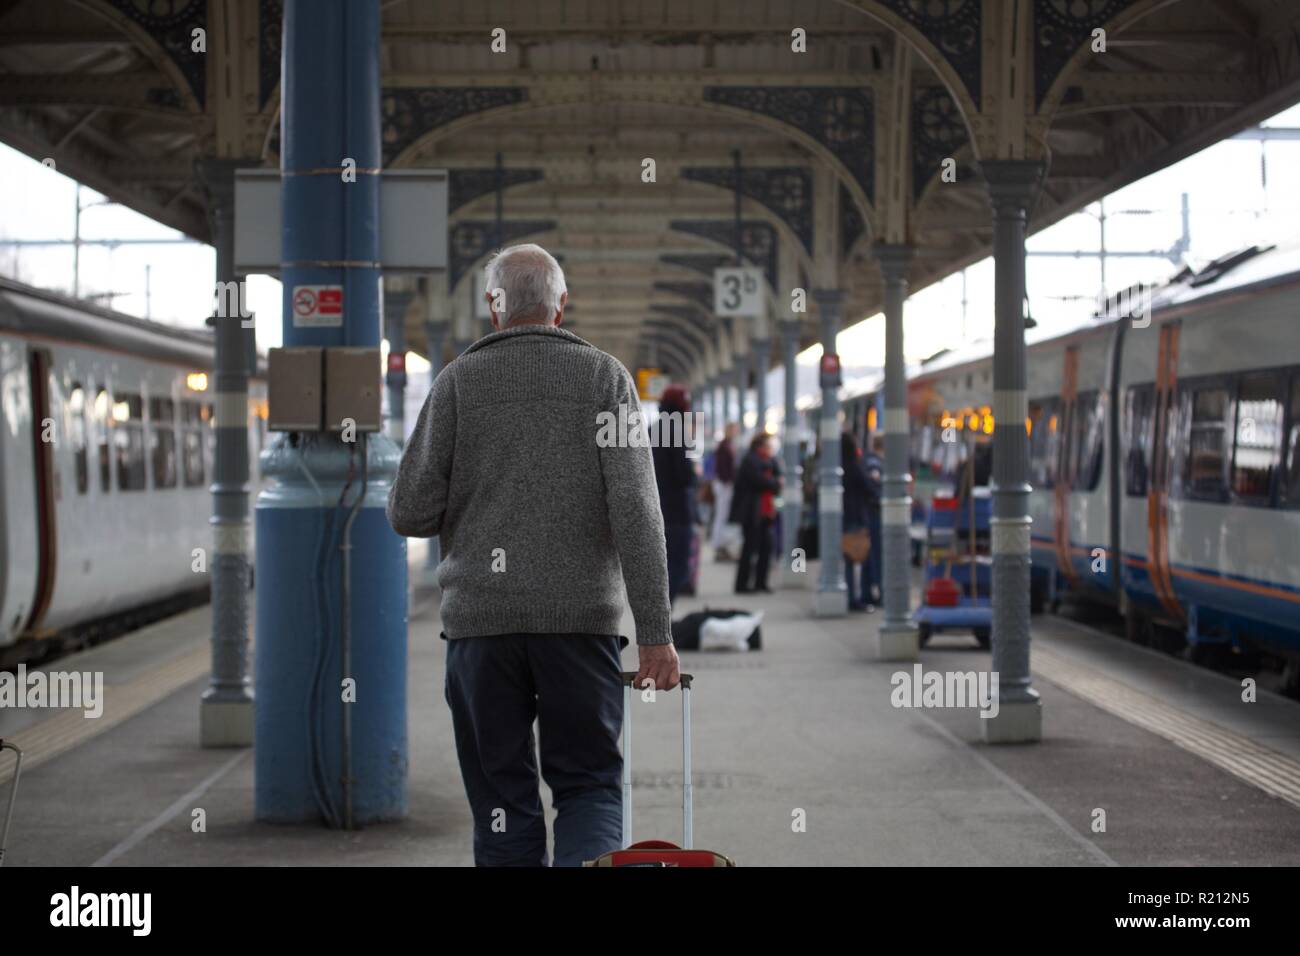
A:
{"points": [[1010, 406]]}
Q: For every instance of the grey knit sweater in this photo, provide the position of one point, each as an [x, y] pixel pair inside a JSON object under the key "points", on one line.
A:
{"points": [[536, 520]]}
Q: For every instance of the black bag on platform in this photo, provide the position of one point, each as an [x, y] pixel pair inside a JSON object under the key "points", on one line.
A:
{"points": [[686, 632]]}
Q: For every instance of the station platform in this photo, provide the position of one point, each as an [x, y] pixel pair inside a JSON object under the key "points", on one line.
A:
{"points": [[1186, 772]]}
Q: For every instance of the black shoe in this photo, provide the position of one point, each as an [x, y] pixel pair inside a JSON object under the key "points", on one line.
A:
{"points": [[859, 606], [744, 590], [764, 590]]}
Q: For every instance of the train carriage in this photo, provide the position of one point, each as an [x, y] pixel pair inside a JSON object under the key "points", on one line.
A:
{"points": [[1209, 470], [106, 460], [1164, 452]]}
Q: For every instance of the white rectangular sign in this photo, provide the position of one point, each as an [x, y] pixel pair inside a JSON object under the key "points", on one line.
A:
{"points": [[412, 220], [738, 292]]}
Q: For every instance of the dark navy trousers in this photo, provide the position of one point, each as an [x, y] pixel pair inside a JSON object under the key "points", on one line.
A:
{"points": [[571, 684]]}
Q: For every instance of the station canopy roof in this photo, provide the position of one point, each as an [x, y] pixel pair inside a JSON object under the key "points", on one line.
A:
{"points": [[842, 143]]}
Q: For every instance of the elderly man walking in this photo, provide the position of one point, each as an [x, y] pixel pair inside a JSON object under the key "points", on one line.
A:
{"points": [[543, 522]]}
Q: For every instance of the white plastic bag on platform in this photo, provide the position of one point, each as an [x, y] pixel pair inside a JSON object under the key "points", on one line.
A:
{"points": [[729, 633]]}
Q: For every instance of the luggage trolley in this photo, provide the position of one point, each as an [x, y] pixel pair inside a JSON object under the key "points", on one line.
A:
{"points": [[958, 566]]}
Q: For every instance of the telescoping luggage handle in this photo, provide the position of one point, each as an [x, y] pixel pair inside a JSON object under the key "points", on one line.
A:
{"points": [[688, 798], [13, 793]]}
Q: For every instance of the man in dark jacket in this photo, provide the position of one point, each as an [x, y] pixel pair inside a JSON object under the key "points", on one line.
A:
{"points": [[874, 467], [753, 507], [862, 478], [675, 477], [855, 519]]}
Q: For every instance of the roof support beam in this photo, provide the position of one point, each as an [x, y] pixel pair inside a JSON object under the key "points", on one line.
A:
{"points": [[128, 91], [1126, 90]]}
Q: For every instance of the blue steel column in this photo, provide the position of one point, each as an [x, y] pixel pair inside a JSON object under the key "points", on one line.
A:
{"points": [[435, 334], [396, 303], [897, 639], [226, 709], [330, 111], [832, 598], [1012, 187], [792, 497]]}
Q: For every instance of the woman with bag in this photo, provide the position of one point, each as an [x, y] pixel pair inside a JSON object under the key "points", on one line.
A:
{"points": [[753, 507], [856, 543]]}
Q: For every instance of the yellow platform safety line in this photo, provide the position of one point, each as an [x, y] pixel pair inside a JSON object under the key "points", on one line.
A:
{"points": [[71, 728], [1276, 774]]}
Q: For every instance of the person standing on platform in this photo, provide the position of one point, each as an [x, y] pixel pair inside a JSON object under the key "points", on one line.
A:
{"points": [[675, 476], [874, 466], [543, 520], [724, 469], [753, 507], [857, 506]]}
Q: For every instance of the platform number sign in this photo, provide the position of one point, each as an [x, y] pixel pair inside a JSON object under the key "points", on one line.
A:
{"points": [[738, 292]]}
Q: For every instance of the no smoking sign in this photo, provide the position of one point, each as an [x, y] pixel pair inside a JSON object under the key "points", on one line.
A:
{"points": [[317, 306]]}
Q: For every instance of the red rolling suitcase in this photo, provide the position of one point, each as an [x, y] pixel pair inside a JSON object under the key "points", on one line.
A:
{"points": [[659, 852]]}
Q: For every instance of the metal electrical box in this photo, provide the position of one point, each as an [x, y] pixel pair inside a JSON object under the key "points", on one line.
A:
{"points": [[353, 380], [295, 390]]}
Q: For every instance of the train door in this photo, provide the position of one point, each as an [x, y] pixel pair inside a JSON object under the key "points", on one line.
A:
{"points": [[1163, 441], [43, 439], [1065, 464]]}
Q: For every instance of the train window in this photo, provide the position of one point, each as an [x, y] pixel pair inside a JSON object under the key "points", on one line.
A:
{"points": [[1063, 458], [192, 432], [1293, 448], [77, 432], [1258, 451], [1089, 425], [1044, 441], [101, 417], [1204, 411], [162, 441], [1139, 411], [128, 441]]}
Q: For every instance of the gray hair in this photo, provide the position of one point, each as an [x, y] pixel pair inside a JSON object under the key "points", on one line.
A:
{"points": [[531, 281]]}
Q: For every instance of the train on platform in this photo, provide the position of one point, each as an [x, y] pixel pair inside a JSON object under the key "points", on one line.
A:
{"points": [[106, 457], [1164, 454]]}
